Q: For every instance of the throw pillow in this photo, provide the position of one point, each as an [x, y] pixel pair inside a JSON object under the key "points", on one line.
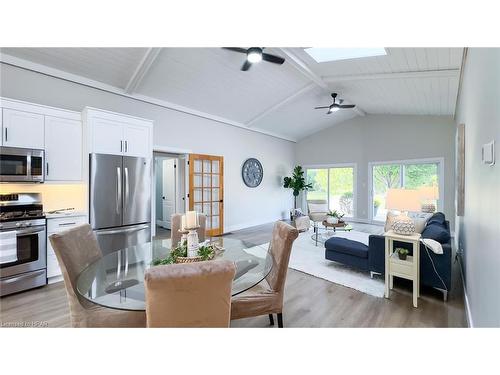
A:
{"points": [[420, 224], [438, 218], [297, 213], [436, 232]]}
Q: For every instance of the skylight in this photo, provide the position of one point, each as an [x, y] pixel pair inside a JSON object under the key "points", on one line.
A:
{"points": [[334, 54]]}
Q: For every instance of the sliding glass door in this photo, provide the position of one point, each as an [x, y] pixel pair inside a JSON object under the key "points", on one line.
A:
{"points": [[334, 185], [407, 175]]}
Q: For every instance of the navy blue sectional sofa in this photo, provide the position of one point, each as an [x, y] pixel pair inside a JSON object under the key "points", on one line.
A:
{"points": [[372, 257]]}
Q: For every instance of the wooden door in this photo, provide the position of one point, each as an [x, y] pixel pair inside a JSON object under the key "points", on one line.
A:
{"points": [[206, 190]]}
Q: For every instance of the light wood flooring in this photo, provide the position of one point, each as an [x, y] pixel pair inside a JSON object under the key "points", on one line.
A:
{"points": [[309, 302]]}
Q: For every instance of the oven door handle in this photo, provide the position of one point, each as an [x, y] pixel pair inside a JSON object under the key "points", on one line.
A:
{"points": [[23, 277], [29, 231]]}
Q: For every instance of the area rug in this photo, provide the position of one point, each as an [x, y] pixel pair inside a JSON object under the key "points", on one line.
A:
{"points": [[310, 259]]}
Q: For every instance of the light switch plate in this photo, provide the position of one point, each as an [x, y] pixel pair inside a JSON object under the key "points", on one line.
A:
{"points": [[488, 153]]}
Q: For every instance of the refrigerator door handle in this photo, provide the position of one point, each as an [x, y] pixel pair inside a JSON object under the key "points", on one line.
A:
{"points": [[125, 202], [127, 230], [118, 190]]}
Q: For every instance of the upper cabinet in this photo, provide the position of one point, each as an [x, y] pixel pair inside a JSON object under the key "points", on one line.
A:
{"points": [[22, 129], [118, 134], [63, 149], [57, 131]]}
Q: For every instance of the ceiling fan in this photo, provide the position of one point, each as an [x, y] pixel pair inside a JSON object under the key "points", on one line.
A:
{"points": [[255, 55], [334, 107]]}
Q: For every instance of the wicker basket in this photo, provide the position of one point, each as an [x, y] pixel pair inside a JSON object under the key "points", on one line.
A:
{"points": [[188, 259]]}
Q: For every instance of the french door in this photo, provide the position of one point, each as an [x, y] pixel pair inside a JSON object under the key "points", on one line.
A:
{"points": [[206, 190]]}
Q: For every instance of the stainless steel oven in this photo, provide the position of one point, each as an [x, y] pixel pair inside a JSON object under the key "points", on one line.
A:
{"points": [[23, 252], [21, 165]]}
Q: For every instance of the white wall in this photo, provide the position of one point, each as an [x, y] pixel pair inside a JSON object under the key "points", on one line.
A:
{"points": [[243, 206], [374, 138], [479, 229]]}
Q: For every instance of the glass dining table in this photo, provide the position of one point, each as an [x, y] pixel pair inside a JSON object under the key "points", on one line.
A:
{"points": [[117, 279]]}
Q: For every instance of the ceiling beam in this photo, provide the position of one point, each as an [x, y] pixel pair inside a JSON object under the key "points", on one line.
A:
{"points": [[142, 69], [70, 77], [280, 104], [400, 75], [298, 64]]}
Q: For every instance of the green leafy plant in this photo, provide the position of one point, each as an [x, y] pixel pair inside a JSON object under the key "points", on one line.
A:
{"points": [[297, 183], [402, 253], [377, 202], [335, 213], [206, 252]]}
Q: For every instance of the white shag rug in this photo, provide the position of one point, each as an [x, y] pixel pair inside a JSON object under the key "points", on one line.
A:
{"points": [[310, 259]]}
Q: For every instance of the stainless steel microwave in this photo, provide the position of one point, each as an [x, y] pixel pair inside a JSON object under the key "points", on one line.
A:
{"points": [[21, 165]]}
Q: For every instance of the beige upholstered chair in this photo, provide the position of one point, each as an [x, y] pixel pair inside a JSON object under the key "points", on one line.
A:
{"points": [[176, 220], [189, 295], [267, 296], [317, 211], [75, 249]]}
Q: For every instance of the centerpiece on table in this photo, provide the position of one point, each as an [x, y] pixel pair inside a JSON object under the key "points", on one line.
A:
{"points": [[188, 250], [334, 217]]}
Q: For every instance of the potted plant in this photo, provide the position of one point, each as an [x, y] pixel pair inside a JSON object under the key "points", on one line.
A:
{"points": [[333, 217], [402, 253], [376, 204], [297, 183]]}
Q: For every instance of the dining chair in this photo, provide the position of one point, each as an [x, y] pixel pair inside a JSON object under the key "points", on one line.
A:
{"points": [[189, 294], [267, 296], [75, 249], [176, 220]]}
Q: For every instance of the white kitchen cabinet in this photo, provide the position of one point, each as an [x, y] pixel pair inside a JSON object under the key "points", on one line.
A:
{"points": [[118, 134], [22, 129], [63, 149], [56, 225]]}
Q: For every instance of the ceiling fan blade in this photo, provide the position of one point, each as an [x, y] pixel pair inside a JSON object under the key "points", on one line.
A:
{"points": [[347, 106], [341, 101], [273, 59], [322, 107], [236, 49], [246, 65]]}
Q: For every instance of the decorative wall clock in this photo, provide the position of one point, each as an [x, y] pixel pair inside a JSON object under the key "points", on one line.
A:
{"points": [[252, 172]]}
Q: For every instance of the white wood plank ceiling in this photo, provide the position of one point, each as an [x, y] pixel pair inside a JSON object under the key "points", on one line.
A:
{"points": [[269, 98]]}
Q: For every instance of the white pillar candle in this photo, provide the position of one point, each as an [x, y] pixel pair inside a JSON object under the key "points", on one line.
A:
{"points": [[191, 219], [183, 223]]}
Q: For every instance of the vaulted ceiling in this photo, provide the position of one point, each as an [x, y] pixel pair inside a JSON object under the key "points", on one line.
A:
{"points": [[269, 98]]}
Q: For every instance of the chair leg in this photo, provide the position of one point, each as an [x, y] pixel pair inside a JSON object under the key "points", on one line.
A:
{"points": [[280, 320], [271, 319]]}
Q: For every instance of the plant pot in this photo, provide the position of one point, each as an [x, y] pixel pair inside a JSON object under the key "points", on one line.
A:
{"points": [[332, 220], [402, 256]]}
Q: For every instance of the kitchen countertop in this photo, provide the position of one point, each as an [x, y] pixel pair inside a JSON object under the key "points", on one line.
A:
{"points": [[65, 214]]}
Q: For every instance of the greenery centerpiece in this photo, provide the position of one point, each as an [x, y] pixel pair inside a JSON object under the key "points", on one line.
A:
{"points": [[334, 217], [297, 183], [179, 254]]}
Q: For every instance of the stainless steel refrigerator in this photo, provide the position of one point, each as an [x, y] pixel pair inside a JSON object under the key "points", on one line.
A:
{"points": [[120, 200]]}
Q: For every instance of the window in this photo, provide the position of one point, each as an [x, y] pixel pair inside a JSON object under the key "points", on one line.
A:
{"points": [[335, 185], [407, 175]]}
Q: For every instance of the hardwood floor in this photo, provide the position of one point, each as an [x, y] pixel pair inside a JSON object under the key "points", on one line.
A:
{"points": [[309, 302]]}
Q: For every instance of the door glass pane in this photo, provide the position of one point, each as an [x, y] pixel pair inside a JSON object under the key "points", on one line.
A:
{"points": [[215, 208], [206, 208], [207, 166], [342, 190], [198, 207], [319, 180], [197, 195], [385, 177], [197, 180], [197, 166], [215, 166], [206, 180], [215, 180], [215, 195], [208, 223], [215, 221], [207, 196]]}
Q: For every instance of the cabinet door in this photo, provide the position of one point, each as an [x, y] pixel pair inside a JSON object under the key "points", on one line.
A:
{"points": [[137, 140], [107, 136], [63, 149], [22, 129]]}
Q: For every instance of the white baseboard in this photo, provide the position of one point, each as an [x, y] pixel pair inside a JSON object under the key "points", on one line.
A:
{"points": [[468, 313], [55, 279]]}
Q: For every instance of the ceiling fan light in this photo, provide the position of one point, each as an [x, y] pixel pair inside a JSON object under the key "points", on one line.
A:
{"points": [[254, 56], [333, 108]]}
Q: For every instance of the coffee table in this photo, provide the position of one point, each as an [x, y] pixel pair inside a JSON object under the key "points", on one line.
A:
{"points": [[346, 227]]}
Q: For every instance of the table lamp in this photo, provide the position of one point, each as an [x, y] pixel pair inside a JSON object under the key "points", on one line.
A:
{"points": [[403, 200], [428, 196]]}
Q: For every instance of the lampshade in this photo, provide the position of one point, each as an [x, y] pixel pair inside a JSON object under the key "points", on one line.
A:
{"points": [[403, 200], [429, 192]]}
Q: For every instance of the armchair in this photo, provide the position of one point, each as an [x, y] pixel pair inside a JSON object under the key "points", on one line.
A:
{"points": [[317, 210]]}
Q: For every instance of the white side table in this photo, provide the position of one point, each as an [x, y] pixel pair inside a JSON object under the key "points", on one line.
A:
{"points": [[407, 269]]}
